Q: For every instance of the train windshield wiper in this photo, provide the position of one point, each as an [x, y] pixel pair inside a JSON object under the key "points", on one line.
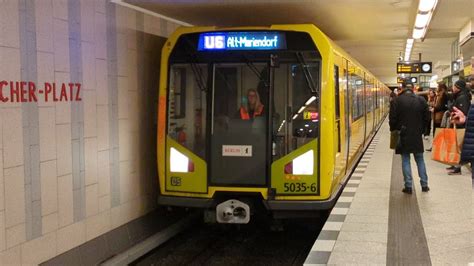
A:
{"points": [[307, 74], [254, 69], [197, 71]]}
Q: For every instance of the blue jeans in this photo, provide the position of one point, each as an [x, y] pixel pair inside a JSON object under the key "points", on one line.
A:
{"points": [[406, 168]]}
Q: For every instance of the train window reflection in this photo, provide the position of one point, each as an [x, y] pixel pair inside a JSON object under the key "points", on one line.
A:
{"points": [[187, 106]]}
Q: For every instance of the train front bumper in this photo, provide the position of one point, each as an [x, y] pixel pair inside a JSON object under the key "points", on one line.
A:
{"points": [[272, 205]]}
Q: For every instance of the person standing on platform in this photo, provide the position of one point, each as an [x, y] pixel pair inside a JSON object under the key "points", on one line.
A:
{"points": [[462, 102], [409, 114]]}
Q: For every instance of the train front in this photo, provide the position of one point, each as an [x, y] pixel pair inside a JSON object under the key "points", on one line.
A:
{"points": [[239, 122]]}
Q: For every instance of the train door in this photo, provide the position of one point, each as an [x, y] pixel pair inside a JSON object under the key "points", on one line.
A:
{"points": [[339, 134], [238, 129], [347, 110]]}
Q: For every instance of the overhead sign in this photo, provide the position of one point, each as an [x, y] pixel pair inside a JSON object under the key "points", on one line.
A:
{"points": [[257, 40], [419, 67]]}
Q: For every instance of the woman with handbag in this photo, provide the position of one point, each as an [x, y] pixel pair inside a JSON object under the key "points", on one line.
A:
{"points": [[439, 107], [462, 102]]}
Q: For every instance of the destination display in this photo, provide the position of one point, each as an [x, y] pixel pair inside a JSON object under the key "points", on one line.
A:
{"points": [[241, 41], [409, 68]]}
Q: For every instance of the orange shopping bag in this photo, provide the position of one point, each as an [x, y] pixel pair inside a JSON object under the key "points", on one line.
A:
{"points": [[445, 145]]}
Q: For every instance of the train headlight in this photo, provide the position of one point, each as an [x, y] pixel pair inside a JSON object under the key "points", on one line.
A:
{"points": [[301, 165], [180, 163]]}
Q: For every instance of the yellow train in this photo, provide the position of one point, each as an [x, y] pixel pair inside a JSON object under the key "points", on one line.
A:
{"points": [[272, 116]]}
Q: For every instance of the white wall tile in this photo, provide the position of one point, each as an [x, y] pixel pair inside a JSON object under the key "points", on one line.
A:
{"points": [[47, 131], [100, 6], [14, 196], [92, 200], [61, 45], [120, 215], [16, 235], [49, 187], [3, 244], [38, 250], [121, 50], [90, 160], [104, 203], [44, 26], [124, 140], [12, 137], [88, 66], [71, 236], [63, 109], [103, 127], [60, 9], [123, 104], [87, 20], [152, 25], [104, 172], [50, 223], [125, 182], [45, 74], [11, 256], [2, 183], [101, 82], [65, 200], [90, 114], [97, 225], [9, 19], [100, 35], [64, 149]]}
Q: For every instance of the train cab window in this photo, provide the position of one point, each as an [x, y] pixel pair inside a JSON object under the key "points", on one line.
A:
{"points": [[187, 106], [239, 124], [296, 119]]}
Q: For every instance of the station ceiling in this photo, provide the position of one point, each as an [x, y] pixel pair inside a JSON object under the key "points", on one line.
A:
{"points": [[372, 31]]}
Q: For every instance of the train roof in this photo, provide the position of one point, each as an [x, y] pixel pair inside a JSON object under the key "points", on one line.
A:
{"points": [[290, 27]]}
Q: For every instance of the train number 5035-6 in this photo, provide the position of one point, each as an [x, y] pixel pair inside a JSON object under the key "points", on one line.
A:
{"points": [[299, 187]]}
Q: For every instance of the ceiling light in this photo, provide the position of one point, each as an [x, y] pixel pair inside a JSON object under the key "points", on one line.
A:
{"points": [[410, 41], [418, 33], [310, 100], [427, 5], [407, 57], [422, 20]]}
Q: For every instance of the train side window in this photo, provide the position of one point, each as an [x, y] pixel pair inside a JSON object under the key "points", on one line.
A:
{"points": [[336, 90], [356, 84], [187, 100]]}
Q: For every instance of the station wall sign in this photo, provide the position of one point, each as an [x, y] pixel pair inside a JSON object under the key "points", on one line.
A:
{"points": [[419, 67], [28, 91]]}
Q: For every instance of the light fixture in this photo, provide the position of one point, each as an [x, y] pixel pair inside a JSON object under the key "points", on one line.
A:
{"points": [[418, 33], [423, 17], [310, 100], [301, 109], [427, 5], [422, 20]]}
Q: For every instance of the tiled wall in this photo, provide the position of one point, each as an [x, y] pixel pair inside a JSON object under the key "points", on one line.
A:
{"points": [[71, 171]]}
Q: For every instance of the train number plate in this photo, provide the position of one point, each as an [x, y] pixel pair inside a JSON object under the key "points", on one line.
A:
{"points": [[237, 150]]}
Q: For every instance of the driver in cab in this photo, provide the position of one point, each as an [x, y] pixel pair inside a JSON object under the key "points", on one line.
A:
{"points": [[253, 108]]}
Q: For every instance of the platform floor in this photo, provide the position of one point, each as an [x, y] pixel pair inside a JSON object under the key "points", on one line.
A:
{"points": [[373, 222]]}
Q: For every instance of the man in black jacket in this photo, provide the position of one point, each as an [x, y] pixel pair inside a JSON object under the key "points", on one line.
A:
{"points": [[409, 113], [462, 101]]}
